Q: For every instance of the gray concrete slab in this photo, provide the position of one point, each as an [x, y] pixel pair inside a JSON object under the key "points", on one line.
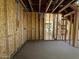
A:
{"points": [[47, 50]]}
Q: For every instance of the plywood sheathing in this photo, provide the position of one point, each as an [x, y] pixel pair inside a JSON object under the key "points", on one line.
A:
{"points": [[37, 27], [33, 26], [3, 36], [29, 26], [11, 27]]}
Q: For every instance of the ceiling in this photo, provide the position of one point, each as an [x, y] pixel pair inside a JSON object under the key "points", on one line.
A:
{"points": [[48, 6]]}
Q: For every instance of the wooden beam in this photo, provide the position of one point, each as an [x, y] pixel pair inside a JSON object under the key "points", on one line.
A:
{"points": [[69, 14], [70, 29], [53, 25], [73, 7], [39, 5], [30, 3], [48, 5], [57, 6], [75, 28], [66, 6], [23, 4]]}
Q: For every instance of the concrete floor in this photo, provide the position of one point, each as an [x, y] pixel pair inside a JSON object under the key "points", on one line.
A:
{"points": [[47, 50]]}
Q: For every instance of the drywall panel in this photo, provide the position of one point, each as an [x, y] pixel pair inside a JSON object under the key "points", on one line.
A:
{"points": [[33, 26]]}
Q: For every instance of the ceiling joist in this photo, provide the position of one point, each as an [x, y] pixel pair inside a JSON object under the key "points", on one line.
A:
{"points": [[30, 3], [23, 4], [69, 14], [57, 6], [66, 6], [39, 5], [73, 7], [48, 5]]}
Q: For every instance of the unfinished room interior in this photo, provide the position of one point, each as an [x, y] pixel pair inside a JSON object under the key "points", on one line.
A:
{"points": [[39, 29]]}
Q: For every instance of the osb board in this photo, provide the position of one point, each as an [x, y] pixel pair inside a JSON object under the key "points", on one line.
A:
{"points": [[21, 22], [37, 27], [11, 44], [33, 26], [3, 51], [18, 35], [25, 26], [3, 45], [14, 22], [10, 17], [19, 32], [29, 26], [2, 20], [41, 27], [18, 14], [11, 24], [2, 12], [2, 31], [18, 38]]}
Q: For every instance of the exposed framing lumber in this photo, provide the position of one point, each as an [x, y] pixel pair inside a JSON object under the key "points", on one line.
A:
{"points": [[49, 27], [70, 29], [23, 4], [39, 5], [30, 3], [73, 7], [48, 5], [75, 30], [39, 18], [66, 6], [53, 25], [69, 14], [57, 6], [57, 27], [66, 30], [62, 30]]}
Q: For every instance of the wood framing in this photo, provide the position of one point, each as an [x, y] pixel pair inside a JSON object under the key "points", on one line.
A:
{"points": [[69, 14], [39, 5], [57, 6], [53, 26], [66, 6], [33, 26], [65, 30], [70, 29], [30, 3], [37, 27], [75, 28], [23, 4], [57, 27], [48, 5]]}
